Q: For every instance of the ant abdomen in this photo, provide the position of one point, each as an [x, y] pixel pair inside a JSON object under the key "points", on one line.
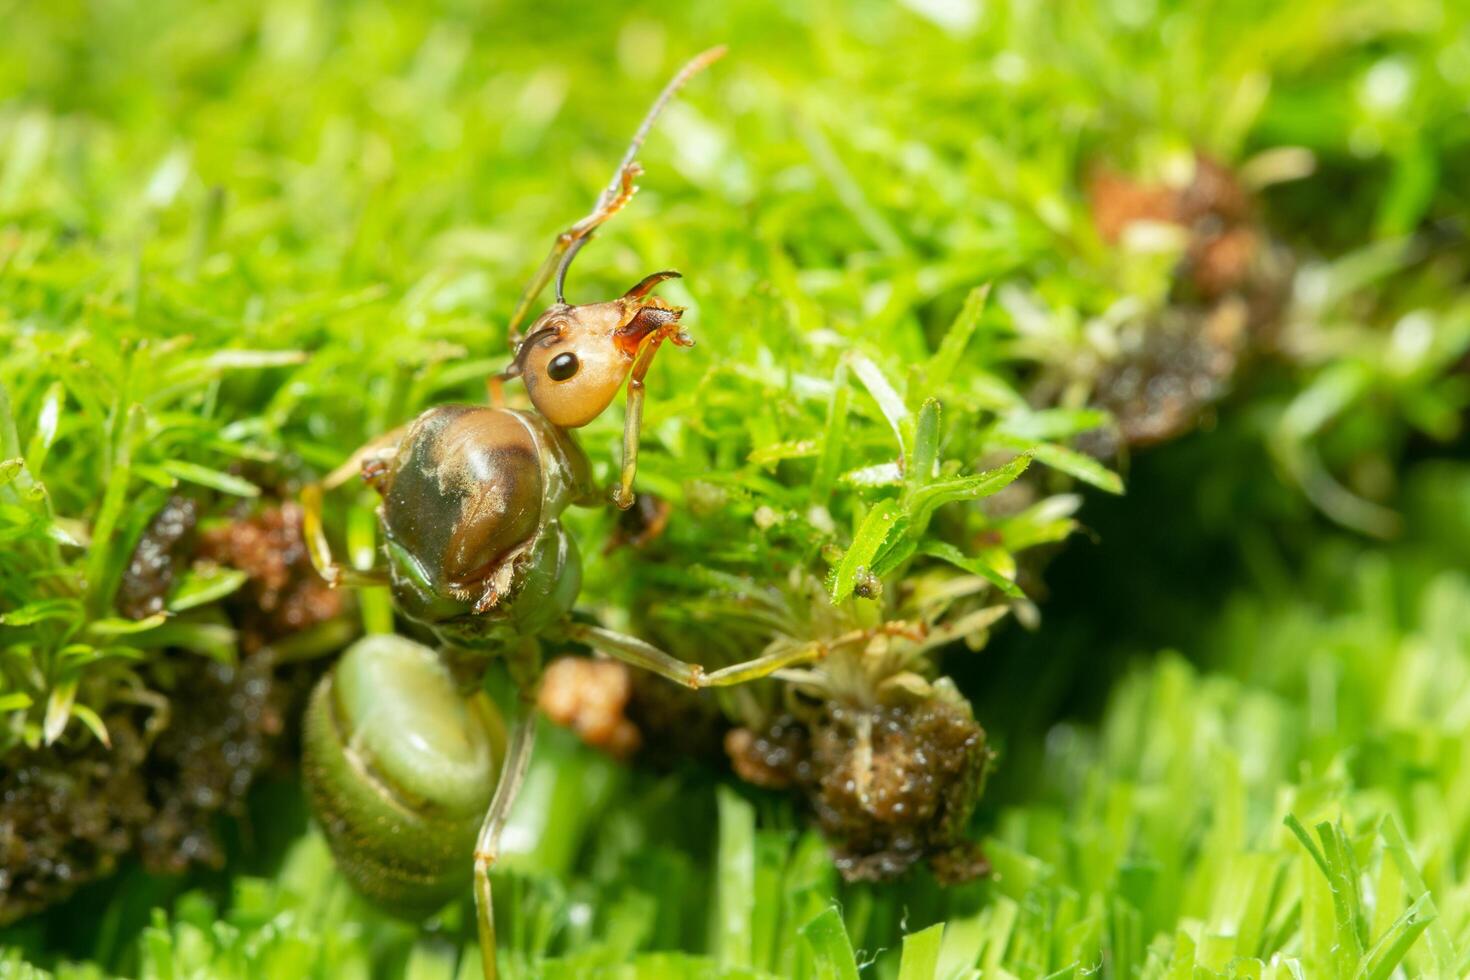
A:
{"points": [[400, 766]]}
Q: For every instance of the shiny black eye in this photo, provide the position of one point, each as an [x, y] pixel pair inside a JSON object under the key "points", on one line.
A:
{"points": [[563, 366]]}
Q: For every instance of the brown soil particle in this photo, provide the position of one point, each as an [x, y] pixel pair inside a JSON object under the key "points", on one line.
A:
{"points": [[631, 713], [890, 785], [284, 594]]}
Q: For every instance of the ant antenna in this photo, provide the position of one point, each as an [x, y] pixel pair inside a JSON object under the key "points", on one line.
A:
{"points": [[613, 198]]}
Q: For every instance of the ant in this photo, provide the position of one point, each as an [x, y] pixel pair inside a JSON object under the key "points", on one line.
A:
{"points": [[400, 748]]}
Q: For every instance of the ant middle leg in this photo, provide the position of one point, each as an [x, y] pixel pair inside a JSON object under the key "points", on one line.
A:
{"points": [[487, 845]]}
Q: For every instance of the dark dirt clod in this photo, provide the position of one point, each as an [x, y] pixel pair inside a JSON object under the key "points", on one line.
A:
{"points": [[640, 525], [284, 594], [226, 720], [160, 553], [677, 724], [69, 813], [1183, 364], [890, 786]]}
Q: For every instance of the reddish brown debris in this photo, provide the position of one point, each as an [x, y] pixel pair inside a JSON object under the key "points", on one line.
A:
{"points": [[284, 594], [1213, 208], [631, 713], [1118, 201], [590, 697]]}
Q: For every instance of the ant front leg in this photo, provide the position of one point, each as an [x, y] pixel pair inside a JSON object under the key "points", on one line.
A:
{"points": [[633, 651]]}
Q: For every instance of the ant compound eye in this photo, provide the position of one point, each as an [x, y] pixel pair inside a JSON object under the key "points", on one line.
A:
{"points": [[563, 366]]}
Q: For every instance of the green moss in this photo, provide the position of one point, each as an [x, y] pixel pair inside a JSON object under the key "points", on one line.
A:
{"points": [[237, 240]]}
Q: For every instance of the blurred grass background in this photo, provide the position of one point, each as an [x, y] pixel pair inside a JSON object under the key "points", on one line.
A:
{"points": [[371, 183]]}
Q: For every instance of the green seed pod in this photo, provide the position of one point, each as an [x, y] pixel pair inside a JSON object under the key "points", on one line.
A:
{"points": [[400, 767]]}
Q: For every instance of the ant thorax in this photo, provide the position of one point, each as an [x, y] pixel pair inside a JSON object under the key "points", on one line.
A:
{"points": [[469, 515]]}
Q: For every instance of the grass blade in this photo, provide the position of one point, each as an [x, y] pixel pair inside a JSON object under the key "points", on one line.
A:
{"points": [[735, 888], [833, 950], [952, 348], [921, 954], [865, 544], [889, 402]]}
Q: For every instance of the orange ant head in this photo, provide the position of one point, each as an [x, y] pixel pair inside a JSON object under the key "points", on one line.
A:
{"points": [[575, 358]]}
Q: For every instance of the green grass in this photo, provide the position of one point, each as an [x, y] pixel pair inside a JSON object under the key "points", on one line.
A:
{"points": [[1304, 823], [238, 239]]}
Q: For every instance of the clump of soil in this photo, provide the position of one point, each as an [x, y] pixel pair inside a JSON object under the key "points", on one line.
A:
{"points": [[160, 554], [70, 811], [67, 816], [1178, 367], [889, 785], [1229, 292]]}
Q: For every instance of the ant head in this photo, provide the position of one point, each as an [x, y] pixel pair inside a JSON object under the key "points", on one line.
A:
{"points": [[575, 358]]}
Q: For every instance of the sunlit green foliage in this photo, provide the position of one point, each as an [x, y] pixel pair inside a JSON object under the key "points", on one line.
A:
{"points": [[238, 239]]}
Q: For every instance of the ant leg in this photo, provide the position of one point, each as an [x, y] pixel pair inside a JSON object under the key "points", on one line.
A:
{"points": [[632, 422], [320, 550], [631, 650], [368, 462], [633, 419], [487, 847]]}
